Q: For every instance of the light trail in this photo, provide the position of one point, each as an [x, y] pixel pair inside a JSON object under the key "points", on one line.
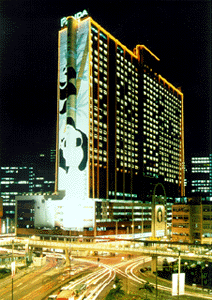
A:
{"points": [[134, 277]]}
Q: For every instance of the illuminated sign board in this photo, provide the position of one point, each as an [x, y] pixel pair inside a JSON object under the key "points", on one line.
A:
{"points": [[79, 15], [159, 217], [63, 22], [73, 125]]}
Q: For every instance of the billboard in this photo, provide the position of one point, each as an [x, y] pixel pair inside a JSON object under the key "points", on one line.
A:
{"points": [[178, 284], [73, 124], [159, 217]]}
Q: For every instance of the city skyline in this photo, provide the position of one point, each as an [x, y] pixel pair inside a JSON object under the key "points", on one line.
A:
{"points": [[176, 34]]}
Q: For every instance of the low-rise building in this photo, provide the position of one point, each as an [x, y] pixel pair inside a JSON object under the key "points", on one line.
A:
{"points": [[191, 221]]}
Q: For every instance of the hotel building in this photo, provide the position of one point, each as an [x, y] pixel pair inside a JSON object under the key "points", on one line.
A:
{"points": [[120, 126], [120, 137]]}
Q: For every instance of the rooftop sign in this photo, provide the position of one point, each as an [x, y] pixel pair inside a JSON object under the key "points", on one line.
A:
{"points": [[79, 15]]}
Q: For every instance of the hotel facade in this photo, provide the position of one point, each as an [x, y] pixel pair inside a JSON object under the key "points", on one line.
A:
{"points": [[120, 123], [120, 136]]}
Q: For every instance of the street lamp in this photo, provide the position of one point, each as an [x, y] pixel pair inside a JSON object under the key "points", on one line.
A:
{"points": [[12, 266], [178, 282], [142, 221]]}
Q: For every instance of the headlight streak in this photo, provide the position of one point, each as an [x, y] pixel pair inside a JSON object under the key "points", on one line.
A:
{"points": [[161, 287], [97, 277], [138, 279], [101, 286], [93, 276], [114, 269], [111, 272]]}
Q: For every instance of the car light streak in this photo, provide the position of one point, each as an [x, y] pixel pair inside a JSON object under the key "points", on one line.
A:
{"points": [[134, 277]]}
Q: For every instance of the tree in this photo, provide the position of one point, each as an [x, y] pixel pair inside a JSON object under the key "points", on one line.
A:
{"points": [[148, 287], [116, 292]]}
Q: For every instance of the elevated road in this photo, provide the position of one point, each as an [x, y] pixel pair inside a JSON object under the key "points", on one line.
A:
{"points": [[125, 247]]}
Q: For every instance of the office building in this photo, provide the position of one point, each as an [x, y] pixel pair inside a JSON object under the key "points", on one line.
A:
{"points": [[31, 174], [120, 135], [200, 182]]}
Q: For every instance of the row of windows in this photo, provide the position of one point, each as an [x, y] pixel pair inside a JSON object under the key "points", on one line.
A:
{"points": [[152, 103], [103, 125], [122, 164], [127, 158], [101, 50], [174, 154], [104, 132], [15, 168], [197, 160], [150, 145], [174, 142], [203, 181], [172, 169], [124, 60], [200, 184], [127, 146], [127, 152], [200, 170], [150, 157], [154, 86]]}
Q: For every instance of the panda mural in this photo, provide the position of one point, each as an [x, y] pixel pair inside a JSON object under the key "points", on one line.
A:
{"points": [[74, 126]]}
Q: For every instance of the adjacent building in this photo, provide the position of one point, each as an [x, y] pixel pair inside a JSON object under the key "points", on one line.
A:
{"points": [[191, 221], [28, 175], [200, 176]]}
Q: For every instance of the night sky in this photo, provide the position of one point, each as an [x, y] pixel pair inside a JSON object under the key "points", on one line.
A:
{"points": [[178, 32]]}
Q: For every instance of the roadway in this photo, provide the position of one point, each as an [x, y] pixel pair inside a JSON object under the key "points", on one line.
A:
{"points": [[26, 283], [101, 281], [124, 247], [37, 282]]}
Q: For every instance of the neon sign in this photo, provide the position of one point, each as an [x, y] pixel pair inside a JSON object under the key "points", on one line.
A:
{"points": [[79, 15], [63, 22]]}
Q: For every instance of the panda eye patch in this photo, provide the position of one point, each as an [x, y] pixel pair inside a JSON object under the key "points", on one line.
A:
{"points": [[78, 142]]}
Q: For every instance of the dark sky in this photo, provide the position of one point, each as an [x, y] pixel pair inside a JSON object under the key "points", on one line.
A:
{"points": [[178, 32]]}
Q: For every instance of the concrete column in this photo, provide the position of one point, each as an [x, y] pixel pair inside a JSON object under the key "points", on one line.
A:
{"points": [[154, 264], [67, 257], [116, 227]]}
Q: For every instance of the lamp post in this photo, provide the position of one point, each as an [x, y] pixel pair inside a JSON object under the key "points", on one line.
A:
{"points": [[133, 223], [156, 281], [12, 266], [178, 282], [142, 222]]}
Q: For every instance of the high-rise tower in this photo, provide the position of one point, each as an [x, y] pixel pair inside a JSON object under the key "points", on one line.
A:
{"points": [[120, 123]]}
